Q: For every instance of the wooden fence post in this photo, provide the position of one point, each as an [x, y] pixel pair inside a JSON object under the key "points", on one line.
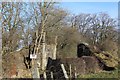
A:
{"points": [[51, 75], [70, 71], [75, 72], [44, 75], [64, 71]]}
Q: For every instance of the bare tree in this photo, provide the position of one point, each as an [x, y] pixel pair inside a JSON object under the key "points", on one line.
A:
{"points": [[11, 23], [46, 17], [97, 27]]}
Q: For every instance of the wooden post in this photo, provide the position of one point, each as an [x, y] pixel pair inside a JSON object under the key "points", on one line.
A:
{"points": [[44, 74], [64, 71], [75, 72], [70, 72], [51, 75]]}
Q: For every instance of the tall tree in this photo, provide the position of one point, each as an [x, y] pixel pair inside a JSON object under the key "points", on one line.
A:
{"points": [[11, 24]]}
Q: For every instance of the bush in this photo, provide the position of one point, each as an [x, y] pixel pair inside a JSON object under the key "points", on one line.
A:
{"points": [[67, 42]]}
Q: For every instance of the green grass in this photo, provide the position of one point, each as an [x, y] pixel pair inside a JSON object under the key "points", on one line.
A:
{"points": [[103, 74]]}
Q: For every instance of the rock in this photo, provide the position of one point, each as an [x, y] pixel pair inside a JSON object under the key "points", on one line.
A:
{"points": [[108, 59]]}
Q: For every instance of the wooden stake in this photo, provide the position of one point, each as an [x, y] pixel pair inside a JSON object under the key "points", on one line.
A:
{"points": [[75, 73], [51, 75], [44, 74], [64, 71], [70, 72]]}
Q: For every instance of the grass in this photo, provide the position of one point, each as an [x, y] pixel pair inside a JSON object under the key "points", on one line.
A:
{"points": [[103, 74]]}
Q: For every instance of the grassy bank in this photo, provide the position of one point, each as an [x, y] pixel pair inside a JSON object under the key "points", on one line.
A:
{"points": [[103, 74]]}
